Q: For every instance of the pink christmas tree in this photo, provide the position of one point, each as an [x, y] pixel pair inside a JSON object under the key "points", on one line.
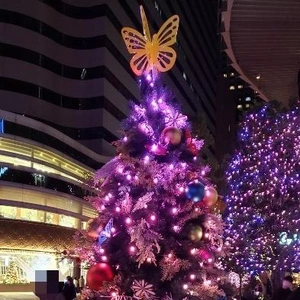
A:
{"points": [[155, 236]]}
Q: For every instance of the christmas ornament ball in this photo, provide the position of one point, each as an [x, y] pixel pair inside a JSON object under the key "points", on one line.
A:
{"points": [[210, 196], [97, 274], [207, 256], [195, 191], [219, 207], [196, 233], [171, 135]]}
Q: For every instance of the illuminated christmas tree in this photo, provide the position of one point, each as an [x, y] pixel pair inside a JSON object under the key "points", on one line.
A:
{"points": [[264, 192], [155, 236], [11, 275]]}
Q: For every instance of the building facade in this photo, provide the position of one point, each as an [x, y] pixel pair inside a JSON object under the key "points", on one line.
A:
{"points": [[65, 64], [43, 177]]}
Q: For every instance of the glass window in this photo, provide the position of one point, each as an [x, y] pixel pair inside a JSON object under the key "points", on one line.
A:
{"points": [[8, 212], [34, 215], [67, 221]]}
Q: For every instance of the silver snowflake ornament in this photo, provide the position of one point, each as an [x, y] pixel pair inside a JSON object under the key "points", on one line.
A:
{"points": [[142, 289]]}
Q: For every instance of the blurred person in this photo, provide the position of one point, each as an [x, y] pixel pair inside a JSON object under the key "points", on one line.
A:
{"points": [[68, 290], [81, 283], [286, 289], [295, 295]]}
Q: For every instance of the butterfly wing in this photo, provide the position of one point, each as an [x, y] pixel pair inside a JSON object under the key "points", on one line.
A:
{"points": [[140, 63], [134, 41], [168, 32], [165, 38], [106, 232], [136, 44]]}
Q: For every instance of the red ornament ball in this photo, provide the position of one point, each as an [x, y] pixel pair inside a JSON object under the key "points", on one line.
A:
{"points": [[97, 274], [210, 196]]}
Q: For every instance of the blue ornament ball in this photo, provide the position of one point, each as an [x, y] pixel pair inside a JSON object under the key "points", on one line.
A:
{"points": [[195, 191]]}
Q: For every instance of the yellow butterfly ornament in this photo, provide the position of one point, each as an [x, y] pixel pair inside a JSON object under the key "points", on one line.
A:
{"points": [[151, 54]]}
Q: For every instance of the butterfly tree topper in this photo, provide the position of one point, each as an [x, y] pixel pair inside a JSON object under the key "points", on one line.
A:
{"points": [[151, 54]]}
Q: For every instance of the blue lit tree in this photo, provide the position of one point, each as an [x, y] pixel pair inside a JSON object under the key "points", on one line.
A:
{"points": [[264, 191]]}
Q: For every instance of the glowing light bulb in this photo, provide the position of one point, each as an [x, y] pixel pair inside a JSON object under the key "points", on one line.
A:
{"points": [[118, 209], [132, 249], [185, 286], [192, 276], [155, 180], [104, 258], [207, 282], [148, 259], [152, 217], [193, 251], [174, 210], [128, 221], [101, 251], [176, 228]]}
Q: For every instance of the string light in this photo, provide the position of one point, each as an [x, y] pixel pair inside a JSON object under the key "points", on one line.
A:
{"points": [[264, 192]]}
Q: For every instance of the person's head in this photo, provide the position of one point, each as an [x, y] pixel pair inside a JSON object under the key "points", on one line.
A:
{"points": [[69, 280], [287, 282]]}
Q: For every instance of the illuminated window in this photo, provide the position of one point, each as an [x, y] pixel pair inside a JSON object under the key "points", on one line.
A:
{"points": [[1, 126], [67, 221], [83, 225], [247, 99], [231, 74], [184, 76], [8, 212], [232, 88], [39, 179], [240, 86], [3, 170], [247, 105], [34, 215], [239, 107], [225, 75]]}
